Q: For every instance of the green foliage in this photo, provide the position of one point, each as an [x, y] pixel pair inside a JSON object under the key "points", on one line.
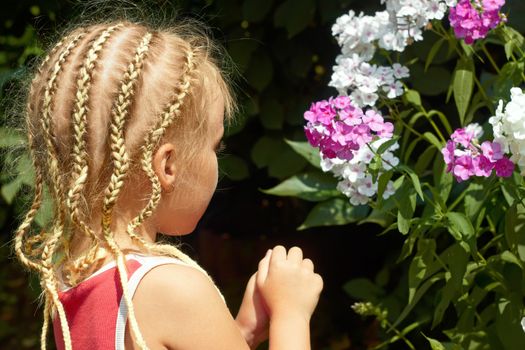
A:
{"points": [[463, 258]]}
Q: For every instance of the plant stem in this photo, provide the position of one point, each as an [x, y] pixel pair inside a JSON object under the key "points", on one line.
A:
{"points": [[489, 56]]}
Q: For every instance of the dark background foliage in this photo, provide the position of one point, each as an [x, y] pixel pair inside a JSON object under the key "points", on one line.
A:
{"points": [[284, 52]]}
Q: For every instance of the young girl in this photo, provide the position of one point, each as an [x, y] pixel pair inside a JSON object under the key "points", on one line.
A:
{"points": [[124, 122]]}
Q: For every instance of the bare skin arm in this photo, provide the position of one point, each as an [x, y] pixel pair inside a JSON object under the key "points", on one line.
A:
{"points": [[178, 307]]}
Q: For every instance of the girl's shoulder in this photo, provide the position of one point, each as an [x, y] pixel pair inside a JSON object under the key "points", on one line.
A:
{"points": [[175, 303]]}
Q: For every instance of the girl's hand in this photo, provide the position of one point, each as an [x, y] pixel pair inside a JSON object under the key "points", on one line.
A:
{"points": [[253, 319], [288, 284]]}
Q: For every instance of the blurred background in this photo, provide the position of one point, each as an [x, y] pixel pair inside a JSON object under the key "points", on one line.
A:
{"points": [[284, 52]]}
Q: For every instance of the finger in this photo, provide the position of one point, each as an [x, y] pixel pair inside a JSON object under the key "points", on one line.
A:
{"points": [[262, 271], [307, 263], [295, 254], [278, 254]]}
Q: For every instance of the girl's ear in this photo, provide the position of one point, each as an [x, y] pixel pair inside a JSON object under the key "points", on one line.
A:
{"points": [[164, 166]]}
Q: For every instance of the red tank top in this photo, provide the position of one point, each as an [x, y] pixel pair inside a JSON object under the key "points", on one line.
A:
{"points": [[95, 308]]}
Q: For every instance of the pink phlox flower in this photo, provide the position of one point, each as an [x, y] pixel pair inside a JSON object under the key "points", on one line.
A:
{"points": [[492, 150], [324, 111], [347, 152], [313, 136], [361, 134], [504, 167], [493, 5], [310, 116], [482, 166], [374, 120], [351, 115], [448, 155], [387, 130], [462, 137], [463, 168], [341, 102], [473, 22]]}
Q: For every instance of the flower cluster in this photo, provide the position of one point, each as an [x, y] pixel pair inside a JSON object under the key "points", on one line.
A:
{"points": [[348, 139], [360, 35], [465, 157], [509, 127], [472, 19]]}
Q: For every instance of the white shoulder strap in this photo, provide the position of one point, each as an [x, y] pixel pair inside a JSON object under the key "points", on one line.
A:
{"points": [[148, 263]]}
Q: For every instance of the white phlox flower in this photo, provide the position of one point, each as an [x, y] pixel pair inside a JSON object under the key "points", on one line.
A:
{"points": [[508, 126], [359, 36]]}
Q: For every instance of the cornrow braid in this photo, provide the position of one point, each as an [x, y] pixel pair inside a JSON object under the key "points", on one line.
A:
{"points": [[120, 159], [37, 201], [152, 138], [48, 275], [80, 167], [119, 113], [171, 112]]}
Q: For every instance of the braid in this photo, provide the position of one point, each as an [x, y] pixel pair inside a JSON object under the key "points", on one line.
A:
{"points": [[48, 276], [79, 154], [119, 113], [121, 164], [49, 282], [39, 182], [172, 111]]}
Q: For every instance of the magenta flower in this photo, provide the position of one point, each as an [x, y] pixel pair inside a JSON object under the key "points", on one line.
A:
{"points": [[387, 130], [463, 168], [504, 167], [464, 157], [374, 120], [472, 20], [448, 155], [492, 150], [339, 128], [462, 137], [482, 166]]}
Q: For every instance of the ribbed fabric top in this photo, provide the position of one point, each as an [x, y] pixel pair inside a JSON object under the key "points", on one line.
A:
{"points": [[95, 308]]}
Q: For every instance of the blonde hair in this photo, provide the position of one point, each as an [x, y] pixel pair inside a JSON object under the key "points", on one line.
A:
{"points": [[132, 86]]}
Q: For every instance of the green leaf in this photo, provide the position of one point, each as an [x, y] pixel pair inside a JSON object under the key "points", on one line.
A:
{"points": [[265, 149], [413, 97], [10, 190], [256, 10], [433, 140], [363, 289], [459, 226], [434, 344], [419, 267], [309, 186], [286, 163], [306, 150], [414, 179], [433, 51], [381, 149], [509, 257], [509, 76], [10, 137], [234, 167], [272, 115], [382, 183], [407, 207], [463, 85], [294, 15], [417, 296], [260, 72], [334, 212], [45, 214], [424, 161]]}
